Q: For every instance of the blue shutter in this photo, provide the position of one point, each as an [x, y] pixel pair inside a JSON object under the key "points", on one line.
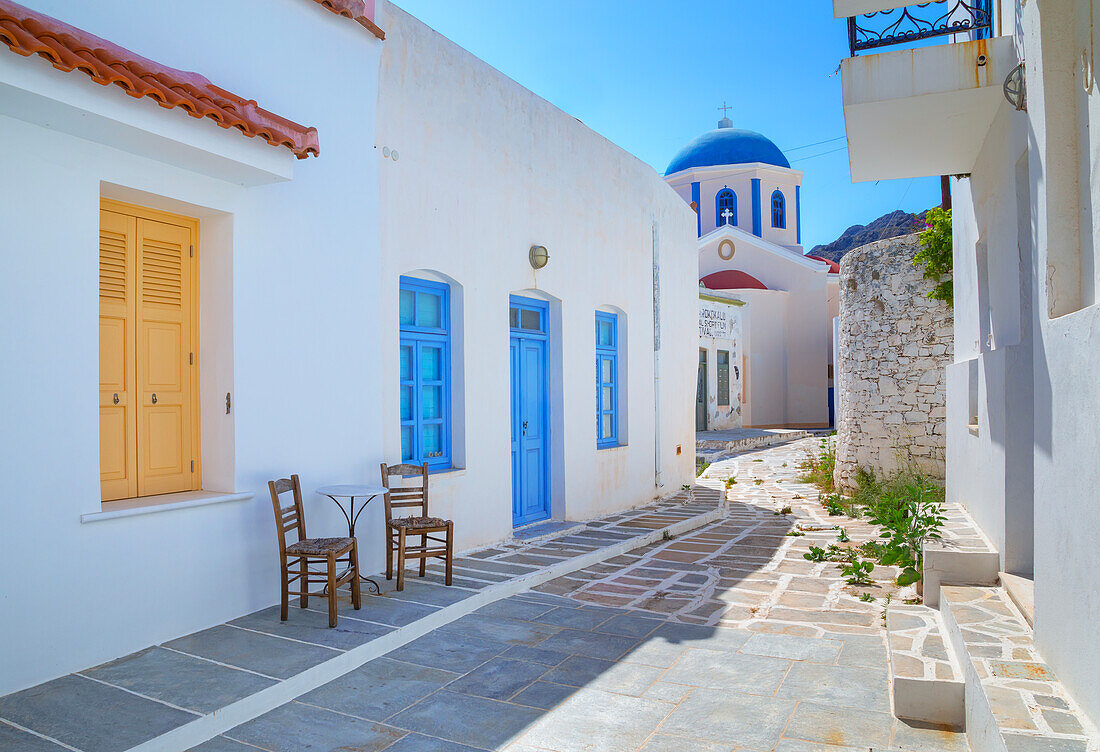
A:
{"points": [[607, 380], [425, 373]]}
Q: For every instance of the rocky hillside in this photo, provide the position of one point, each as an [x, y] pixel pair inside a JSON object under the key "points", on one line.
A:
{"points": [[887, 226]]}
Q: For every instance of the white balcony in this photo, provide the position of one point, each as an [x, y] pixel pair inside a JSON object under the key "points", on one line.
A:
{"points": [[925, 111]]}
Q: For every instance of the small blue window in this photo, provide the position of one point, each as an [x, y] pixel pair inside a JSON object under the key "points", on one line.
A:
{"points": [[424, 318], [779, 210], [607, 380], [725, 208]]}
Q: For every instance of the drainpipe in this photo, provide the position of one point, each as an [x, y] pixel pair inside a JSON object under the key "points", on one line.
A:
{"points": [[657, 480]]}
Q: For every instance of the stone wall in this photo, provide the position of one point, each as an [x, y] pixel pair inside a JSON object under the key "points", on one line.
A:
{"points": [[894, 345]]}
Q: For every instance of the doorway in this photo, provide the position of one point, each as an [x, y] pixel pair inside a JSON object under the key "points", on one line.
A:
{"points": [[529, 322], [701, 393]]}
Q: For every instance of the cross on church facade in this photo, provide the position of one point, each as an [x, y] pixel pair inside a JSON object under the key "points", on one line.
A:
{"points": [[727, 215]]}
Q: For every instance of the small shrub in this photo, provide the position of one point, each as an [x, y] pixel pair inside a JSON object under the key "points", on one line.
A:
{"points": [[701, 468], [786, 510], [858, 572], [731, 482], [817, 467], [908, 507], [842, 537], [842, 555], [816, 554], [867, 597], [833, 505], [795, 534]]}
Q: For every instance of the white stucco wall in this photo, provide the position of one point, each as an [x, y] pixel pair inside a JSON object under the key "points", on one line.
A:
{"points": [[487, 169], [989, 460], [1028, 334], [739, 178], [284, 271]]}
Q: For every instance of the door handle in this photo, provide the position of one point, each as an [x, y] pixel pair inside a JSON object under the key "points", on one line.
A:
{"points": [[116, 398], [154, 398], [524, 428]]}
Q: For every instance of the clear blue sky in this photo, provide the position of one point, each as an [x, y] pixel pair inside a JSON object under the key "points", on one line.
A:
{"points": [[650, 76]]}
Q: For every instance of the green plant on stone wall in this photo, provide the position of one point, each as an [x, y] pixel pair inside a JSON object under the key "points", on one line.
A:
{"points": [[935, 254]]}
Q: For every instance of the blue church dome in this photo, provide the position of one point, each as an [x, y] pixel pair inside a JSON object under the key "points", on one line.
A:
{"points": [[727, 146]]}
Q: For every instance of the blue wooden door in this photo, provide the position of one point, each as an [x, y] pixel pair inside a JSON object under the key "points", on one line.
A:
{"points": [[530, 411]]}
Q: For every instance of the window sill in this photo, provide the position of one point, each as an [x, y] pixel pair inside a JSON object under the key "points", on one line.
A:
{"points": [[610, 446], [973, 428], [448, 472], [113, 510]]}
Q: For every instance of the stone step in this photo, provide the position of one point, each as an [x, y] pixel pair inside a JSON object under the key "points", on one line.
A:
{"points": [[963, 556], [1014, 702], [927, 681], [1022, 592]]}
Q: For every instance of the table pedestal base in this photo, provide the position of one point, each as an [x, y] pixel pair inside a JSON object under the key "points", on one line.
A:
{"points": [[373, 588]]}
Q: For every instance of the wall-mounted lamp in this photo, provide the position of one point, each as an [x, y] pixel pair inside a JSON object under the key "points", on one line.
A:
{"points": [[1015, 88], [539, 256]]}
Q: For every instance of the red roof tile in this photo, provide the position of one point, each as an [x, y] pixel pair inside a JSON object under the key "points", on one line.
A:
{"points": [[732, 279], [68, 48], [834, 267], [361, 11]]}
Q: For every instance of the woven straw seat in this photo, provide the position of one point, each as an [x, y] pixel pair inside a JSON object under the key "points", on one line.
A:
{"points": [[319, 546], [419, 523]]}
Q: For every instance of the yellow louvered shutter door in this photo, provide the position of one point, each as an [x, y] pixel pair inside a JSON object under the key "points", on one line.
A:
{"points": [[117, 338], [164, 299]]}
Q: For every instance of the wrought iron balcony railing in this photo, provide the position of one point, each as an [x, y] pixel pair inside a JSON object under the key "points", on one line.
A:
{"points": [[921, 21]]}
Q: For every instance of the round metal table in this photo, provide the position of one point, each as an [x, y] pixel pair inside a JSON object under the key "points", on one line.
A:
{"points": [[351, 492]]}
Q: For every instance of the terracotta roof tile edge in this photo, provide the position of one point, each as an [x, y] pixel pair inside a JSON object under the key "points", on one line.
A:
{"points": [[356, 10], [67, 48]]}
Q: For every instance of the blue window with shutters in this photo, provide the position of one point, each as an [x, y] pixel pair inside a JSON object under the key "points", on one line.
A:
{"points": [[607, 380], [726, 208], [425, 373], [779, 210]]}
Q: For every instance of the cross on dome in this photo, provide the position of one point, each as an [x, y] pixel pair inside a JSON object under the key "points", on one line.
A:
{"points": [[725, 122]]}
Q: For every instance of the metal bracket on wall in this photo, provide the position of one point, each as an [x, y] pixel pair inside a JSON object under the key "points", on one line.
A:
{"points": [[228, 403]]}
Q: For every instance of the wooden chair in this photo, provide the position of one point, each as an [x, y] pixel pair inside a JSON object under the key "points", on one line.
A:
{"points": [[399, 529], [303, 551]]}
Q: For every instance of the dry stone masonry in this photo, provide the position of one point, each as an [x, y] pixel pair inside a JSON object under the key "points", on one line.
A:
{"points": [[894, 345]]}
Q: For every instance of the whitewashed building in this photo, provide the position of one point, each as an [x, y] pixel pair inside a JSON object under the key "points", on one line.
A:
{"points": [[205, 295], [748, 204], [1007, 108]]}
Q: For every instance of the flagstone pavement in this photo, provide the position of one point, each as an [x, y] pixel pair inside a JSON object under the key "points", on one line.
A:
{"points": [[723, 640]]}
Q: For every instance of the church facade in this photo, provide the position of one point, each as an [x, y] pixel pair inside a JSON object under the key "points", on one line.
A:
{"points": [[747, 201]]}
